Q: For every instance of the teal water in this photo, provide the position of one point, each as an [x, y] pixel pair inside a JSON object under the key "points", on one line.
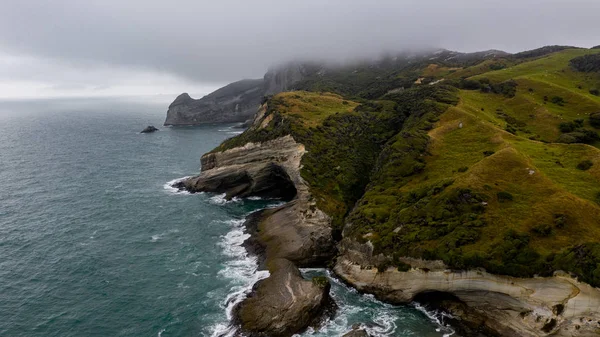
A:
{"points": [[93, 242]]}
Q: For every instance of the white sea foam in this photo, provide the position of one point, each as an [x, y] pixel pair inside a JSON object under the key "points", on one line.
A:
{"points": [[168, 186], [158, 237], [240, 270], [382, 318], [219, 199], [437, 317]]}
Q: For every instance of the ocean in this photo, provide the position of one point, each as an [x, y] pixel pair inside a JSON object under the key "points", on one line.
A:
{"points": [[94, 241]]}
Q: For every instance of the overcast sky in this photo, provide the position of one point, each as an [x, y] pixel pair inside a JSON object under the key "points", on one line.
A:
{"points": [[136, 47]]}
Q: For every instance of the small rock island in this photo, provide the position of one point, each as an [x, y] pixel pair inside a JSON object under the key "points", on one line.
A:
{"points": [[149, 129]]}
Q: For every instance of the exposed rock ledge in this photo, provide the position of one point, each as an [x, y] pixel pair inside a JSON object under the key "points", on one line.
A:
{"points": [[508, 306], [292, 235], [284, 303]]}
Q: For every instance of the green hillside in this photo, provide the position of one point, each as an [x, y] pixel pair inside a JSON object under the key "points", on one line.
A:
{"points": [[490, 163]]}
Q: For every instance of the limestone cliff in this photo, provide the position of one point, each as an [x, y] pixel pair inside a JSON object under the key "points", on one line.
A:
{"points": [[508, 306]]}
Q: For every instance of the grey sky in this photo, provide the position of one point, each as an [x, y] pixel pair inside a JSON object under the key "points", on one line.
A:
{"points": [[134, 46]]}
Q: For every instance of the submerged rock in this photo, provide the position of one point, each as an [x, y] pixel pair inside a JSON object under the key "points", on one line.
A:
{"points": [[149, 129], [283, 304]]}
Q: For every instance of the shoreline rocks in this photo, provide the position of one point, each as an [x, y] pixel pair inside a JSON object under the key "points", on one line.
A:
{"points": [[284, 303]]}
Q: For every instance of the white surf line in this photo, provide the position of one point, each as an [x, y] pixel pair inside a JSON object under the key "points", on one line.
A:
{"points": [[168, 186], [242, 270], [385, 322]]}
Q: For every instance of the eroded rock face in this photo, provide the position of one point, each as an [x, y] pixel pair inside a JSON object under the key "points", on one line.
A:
{"points": [[268, 169], [295, 231], [283, 304], [266, 180], [235, 102], [507, 306]]}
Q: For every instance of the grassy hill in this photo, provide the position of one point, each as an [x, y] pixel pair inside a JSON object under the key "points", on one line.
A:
{"points": [[490, 163]]}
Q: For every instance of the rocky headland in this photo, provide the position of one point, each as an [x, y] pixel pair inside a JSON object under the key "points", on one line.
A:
{"points": [[418, 196], [237, 101]]}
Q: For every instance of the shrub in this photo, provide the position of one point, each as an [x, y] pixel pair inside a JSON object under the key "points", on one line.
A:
{"points": [[488, 153], [463, 169], [595, 119], [320, 281], [510, 128], [497, 66], [469, 84], [580, 136], [542, 230], [595, 92], [506, 88], [585, 165], [560, 220], [383, 265], [403, 266], [558, 100], [504, 196], [567, 127]]}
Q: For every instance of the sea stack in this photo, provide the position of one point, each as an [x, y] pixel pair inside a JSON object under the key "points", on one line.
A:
{"points": [[149, 129]]}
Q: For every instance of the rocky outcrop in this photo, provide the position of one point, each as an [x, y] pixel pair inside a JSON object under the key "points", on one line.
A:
{"points": [[296, 231], [506, 306], [149, 129], [283, 304], [235, 102]]}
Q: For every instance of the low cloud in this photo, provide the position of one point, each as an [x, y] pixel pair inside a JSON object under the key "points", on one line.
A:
{"points": [[214, 42]]}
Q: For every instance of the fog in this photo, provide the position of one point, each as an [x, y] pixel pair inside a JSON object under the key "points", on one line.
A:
{"points": [[110, 47]]}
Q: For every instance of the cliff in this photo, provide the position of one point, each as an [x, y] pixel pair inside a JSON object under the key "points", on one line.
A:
{"points": [[507, 306], [235, 102]]}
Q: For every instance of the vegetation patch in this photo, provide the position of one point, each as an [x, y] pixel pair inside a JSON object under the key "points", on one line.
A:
{"points": [[586, 63], [585, 165]]}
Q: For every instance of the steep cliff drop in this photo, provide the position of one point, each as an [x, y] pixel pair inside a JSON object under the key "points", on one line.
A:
{"points": [[236, 102]]}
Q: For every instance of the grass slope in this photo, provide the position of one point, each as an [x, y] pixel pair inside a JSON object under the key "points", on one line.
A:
{"points": [[485, 197], [474, 177]]}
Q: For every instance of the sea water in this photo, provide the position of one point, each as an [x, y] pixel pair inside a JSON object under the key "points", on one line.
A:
{"points": [[95, 242]]}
